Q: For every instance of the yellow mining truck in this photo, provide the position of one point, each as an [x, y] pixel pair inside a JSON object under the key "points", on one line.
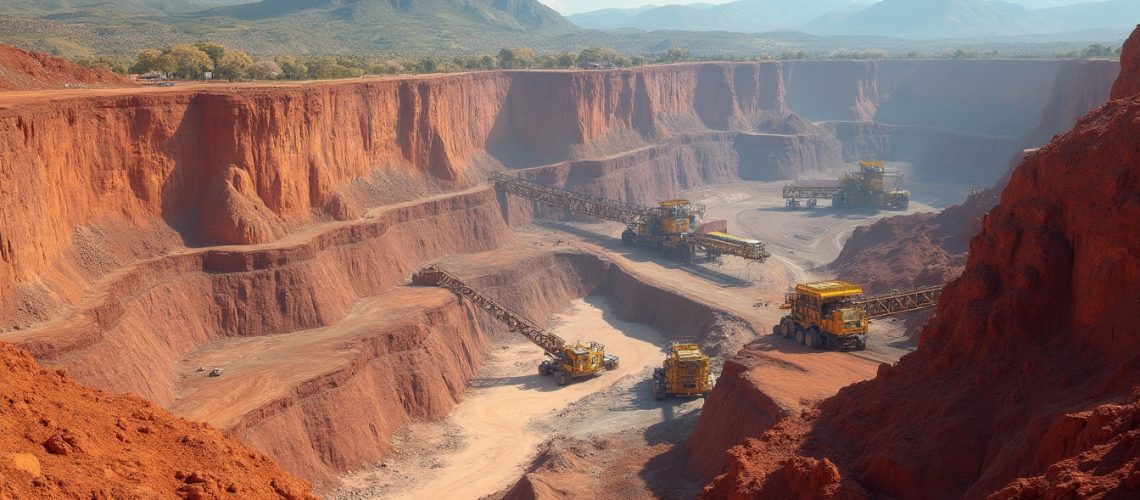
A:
{"points": [[832, 314], [566, 361], [685, 372]]}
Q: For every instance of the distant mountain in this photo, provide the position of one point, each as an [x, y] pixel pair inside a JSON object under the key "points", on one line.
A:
{"points": [[511, 14], [84, 27], [1112, 14], [931, 19], [741, 15]]}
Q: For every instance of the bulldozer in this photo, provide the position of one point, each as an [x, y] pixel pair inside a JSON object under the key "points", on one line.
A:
{"points": [[685, 372], [833, 314], [565, 361]]}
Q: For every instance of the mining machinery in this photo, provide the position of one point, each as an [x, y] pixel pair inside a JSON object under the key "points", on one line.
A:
{"points": [[566, 361], [673, 227], [865, 188], [832, 314], [686, 371]]}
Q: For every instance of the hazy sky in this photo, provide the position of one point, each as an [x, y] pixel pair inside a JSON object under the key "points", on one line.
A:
{"points": [[576, 6]]}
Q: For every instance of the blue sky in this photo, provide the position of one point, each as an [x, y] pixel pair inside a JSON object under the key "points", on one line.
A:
{"points": [[576, 6]]}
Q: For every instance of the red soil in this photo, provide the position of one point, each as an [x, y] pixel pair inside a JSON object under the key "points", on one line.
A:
{"points": [[62, 440], [1029, 368], [24, 70]]}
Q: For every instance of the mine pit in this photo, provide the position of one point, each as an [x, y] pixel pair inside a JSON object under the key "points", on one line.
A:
{"points": [[259, 278]]}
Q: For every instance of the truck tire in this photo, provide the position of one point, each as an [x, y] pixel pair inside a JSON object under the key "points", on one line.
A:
{"points": [[801, 339], [561, 377], [544, 369], [628, 238]]}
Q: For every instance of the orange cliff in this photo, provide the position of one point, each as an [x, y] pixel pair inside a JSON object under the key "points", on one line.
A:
{"points": [[1025, 380], [62, 440], [247, 164]]}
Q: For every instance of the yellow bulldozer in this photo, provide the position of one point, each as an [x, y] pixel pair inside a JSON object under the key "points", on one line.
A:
{"points": [[685, 372]]}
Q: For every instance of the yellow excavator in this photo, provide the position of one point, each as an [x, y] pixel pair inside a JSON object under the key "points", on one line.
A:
{"points": [[566, 361], [685, 372], [833, 314]]}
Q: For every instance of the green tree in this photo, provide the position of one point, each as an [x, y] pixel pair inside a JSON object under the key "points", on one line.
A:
{"points": [[600, 55], [189, 62], [232, 65], [516, 58], [264, 69], [291, 68], [214, 50], [677, 54], [152, 60]]}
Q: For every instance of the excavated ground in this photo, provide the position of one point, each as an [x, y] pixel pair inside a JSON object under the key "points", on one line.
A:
{"points": [[601, 434], [329, 362]]}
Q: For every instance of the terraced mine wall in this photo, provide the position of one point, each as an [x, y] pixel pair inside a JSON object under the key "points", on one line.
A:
{"points": [[113, 205]]}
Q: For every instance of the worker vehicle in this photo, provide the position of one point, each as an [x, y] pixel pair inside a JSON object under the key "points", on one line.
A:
{"points": [[685, 372], [565, 361], [864, 188], [833, 314], [673, 227]]}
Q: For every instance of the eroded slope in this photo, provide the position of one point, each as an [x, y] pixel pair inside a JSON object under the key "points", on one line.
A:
{"points": [[1028, 367]]}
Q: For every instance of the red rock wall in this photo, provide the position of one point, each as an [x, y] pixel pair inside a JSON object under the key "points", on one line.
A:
{"points": [[143, 319], [1028, 368]]}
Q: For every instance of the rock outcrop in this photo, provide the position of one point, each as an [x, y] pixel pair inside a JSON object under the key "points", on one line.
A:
{"points": [[1028, 369], [63, 440]]}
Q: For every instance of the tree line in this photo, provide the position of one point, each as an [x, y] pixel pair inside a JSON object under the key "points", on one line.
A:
{"points": [[196, 61]]}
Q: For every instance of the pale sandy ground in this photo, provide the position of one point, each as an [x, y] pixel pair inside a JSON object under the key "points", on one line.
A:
{"points": [[500, 406], [510, 410]]}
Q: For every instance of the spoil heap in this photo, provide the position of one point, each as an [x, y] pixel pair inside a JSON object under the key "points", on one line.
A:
{"points": [[24, 70], [63, 440]]}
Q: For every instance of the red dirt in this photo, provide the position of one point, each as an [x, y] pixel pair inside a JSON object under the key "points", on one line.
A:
{"points": [[913, 250], [24, 70], [1028, 369], [63, 440], [102, 191]]}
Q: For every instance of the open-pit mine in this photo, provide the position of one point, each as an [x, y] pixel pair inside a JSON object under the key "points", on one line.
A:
{"points": [[236, 260]]}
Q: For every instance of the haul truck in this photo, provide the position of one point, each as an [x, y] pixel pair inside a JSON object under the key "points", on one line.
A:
{"points": [[566, 361], [831, 314], [685, 372]]}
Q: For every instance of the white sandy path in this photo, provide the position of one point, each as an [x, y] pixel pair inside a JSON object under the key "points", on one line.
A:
{"points": [[495, 414]]}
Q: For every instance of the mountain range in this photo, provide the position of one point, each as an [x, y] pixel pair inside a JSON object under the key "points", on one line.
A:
{"points": [[415, 28], [914, 19]]}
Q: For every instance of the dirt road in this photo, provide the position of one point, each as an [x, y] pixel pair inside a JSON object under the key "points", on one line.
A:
{"points": [[510, 411], [495, 419]]}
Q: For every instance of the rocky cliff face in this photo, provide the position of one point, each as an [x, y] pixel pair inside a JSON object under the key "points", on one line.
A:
{"points": [[1027, 369]]}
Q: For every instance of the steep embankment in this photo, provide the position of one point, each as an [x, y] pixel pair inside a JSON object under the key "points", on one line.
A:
{"points": [[1050, 282], [62, 440], [24, 70], [105, 193], [97, 181]]}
